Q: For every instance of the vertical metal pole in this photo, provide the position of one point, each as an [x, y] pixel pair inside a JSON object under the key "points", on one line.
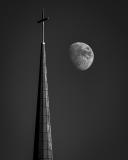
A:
{"points": [[43, 27]]}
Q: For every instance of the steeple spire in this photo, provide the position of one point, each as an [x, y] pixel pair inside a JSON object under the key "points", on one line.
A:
{"points": [[43, 140]]}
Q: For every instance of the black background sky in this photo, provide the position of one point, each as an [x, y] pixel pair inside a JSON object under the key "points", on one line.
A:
{"points": [[88, 109]]}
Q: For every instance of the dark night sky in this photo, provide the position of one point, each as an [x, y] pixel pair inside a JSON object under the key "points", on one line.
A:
{"points": [[88, 109]]}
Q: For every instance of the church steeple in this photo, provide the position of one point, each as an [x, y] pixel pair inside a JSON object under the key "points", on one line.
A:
{"points": [[43, 140]]}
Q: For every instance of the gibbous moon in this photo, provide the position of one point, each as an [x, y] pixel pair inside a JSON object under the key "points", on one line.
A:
{"points": [[81, 55]]}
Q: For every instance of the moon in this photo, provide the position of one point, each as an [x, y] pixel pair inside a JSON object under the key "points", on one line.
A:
{"points": [[81, 55]]}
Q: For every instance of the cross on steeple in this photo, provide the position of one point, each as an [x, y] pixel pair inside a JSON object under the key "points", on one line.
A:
{"points": [[42, 20]]}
